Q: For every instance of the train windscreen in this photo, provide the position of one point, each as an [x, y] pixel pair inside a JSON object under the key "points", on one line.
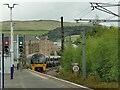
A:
{"points": [[38, 59]]}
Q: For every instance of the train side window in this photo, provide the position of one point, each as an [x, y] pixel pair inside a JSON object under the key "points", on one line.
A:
{"points": [[50, 59], [55, 59]]}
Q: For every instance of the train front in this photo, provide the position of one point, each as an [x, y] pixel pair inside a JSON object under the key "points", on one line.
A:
{"points": [[38, 63]]}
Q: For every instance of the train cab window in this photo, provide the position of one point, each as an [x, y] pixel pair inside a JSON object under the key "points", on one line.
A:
{"points": [[42, 59], [31, 62]]}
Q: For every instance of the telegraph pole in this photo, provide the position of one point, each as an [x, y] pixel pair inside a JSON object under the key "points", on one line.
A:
{"points": [[62, 35]]}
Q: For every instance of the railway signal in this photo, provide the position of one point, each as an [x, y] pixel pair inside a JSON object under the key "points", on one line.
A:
{"points": [[21, 44], [6, 45]]}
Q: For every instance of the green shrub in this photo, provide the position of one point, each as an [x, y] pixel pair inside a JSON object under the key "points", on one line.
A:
{"points": [[101, 54]]}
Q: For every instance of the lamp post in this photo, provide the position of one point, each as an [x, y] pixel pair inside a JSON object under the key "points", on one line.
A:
{"points": [[11, 49]]}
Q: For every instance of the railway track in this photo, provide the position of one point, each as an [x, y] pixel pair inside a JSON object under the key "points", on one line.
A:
{"points": [[56, 68], [52, 71]]}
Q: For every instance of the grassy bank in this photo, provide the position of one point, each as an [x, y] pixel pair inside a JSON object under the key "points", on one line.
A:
{"points": [[91, 81], [101, 58]]}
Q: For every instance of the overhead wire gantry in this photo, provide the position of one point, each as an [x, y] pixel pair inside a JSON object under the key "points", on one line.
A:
{"points": [[101, 7]]}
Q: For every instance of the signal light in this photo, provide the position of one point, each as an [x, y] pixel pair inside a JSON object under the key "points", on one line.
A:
{"points": [[20, 48], [6, 45], [21, 43], [6, 49], [6, 42]]}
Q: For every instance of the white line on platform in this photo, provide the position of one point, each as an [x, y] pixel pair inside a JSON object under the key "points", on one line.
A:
{"points": [[39, 75], [63, 80]]}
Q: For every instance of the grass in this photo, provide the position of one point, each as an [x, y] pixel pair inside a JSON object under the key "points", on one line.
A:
{"points": [[27, 33], [36, 25], [73, 38], [91, 81]]}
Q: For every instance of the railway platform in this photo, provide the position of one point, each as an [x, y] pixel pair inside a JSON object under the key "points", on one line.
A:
{"points": [[27, 79]]}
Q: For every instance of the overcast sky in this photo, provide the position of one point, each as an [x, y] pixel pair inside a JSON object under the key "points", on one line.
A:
{"points": [[53, 10]]}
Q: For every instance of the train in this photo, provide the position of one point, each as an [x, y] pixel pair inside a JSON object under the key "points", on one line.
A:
{"points": [[39, 62], [36, 62], [52, 61]]}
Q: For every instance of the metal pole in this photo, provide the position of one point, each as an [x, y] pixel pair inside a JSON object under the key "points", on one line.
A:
{"points": [[119, 46], [2, 62], [12, 55], [11, 49], [83, 55], [17, 52], [30, 47], [1, 55], [24, 50], [45, 46]]}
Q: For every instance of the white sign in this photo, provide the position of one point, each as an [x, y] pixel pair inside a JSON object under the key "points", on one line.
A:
{"points": [[57, 43], [75, 68]]}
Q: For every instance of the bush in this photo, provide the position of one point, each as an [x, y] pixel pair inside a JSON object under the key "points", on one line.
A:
{"points": [[101, 54]]}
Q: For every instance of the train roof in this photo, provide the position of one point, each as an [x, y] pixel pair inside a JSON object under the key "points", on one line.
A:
{"points": [[55, 56], [30, 55]]}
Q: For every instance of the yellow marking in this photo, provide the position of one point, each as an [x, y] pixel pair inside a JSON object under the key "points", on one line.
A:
{"points": [[38, 65]]}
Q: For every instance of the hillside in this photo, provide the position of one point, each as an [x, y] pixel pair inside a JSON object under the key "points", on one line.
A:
{"points": [[68, 31], [36, 25]]}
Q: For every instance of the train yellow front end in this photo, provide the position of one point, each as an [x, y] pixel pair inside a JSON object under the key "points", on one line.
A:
{"points": [[38, 67], [36, 62]]}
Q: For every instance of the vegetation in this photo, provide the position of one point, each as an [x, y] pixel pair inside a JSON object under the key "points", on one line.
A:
{"points": [[36, 25], [101, 55], [42, 27], [90, 81], [27, 32], [68, 31]]}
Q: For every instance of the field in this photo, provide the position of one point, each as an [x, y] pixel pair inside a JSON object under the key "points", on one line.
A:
{"points": [[27, 32], [34, 27]]}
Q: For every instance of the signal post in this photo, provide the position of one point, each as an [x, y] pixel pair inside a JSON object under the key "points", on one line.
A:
{"points": [[21, 50]]}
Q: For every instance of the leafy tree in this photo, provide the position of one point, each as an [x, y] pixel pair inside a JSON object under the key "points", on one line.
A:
{"points": [[101, 54]]}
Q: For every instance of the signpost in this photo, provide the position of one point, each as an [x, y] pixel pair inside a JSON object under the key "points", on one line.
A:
{"points": [[75, 68]]}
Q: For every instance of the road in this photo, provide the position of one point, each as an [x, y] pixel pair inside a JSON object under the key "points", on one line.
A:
{"points": [[31, 79]]}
